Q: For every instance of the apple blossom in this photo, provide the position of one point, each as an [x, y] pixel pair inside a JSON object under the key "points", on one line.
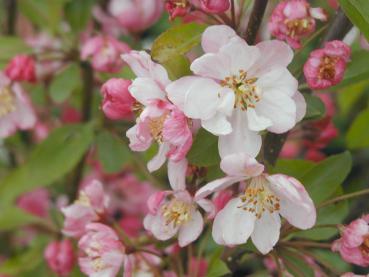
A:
{"points": [[354, 243], [257, 211], [159, 120], [176, 212], [240, 90], [21, 68], [293, 20], [326, 67], [117, 101], [177, 8], [103, 251], [104, 52], [89, 206], [60, 257], [16, 111]]}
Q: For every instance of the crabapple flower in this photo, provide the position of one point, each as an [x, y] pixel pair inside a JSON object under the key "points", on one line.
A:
{"points": [[215, 6], [257, 211], [176, 212], [293, 20], [36, 202], [117, 101], [16, 110], [89, 206], [177, 8], [354, 242], [140, 264], [326, 67], [103, 251], [239, 90], [136, 16], [159, 120], [104, 52], [21, 68], [60, 257]]}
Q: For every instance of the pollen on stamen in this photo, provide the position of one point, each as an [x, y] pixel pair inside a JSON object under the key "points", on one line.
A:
{"points": [[7, 101]]}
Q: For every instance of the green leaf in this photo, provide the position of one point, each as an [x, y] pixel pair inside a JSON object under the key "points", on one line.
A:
{"points": [[323, 180], [64, 83], [48, 162], [78, 13], [204, 151], [296, 265], [358, 134], [315, 108], [358, 12], [112, 152], [327, 257], [14, 217], [216, 266], [11, 46], [171, 46], [294, 168]]}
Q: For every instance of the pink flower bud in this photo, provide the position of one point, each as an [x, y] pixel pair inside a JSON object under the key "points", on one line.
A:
{"points": [[177, 8], [215, 6], [70, 115], [36, 202], [21, 68], [326, 67], [60, 257], [104, 52], [118, 102]]}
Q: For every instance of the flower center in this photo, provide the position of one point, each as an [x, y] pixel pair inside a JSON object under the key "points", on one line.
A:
{"points": [[258, 198], [98, 264], [7, 101], [176, 212], [156, 125], [179, 3], [83, 199], [365, 246], [298, 27], [246, 91], [327, 69]]}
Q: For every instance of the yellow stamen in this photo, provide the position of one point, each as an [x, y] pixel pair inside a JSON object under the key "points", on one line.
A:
{"points": [[7, 101], [176, 212]]}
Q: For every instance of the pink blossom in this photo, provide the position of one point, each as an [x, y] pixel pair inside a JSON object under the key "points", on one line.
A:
{"points": [[177, 8], [60, 257], [176, 212], [326, 67], [215, 6], [89, 206], [131, 225], [257, 211], [354, 242], [293, 20], [334, 4], [21, 68], [41, 131], [255, 91], [36, 202], [104, 52], [16, 111], [159, 120], [118, 102], [103, 251], [136, 15]]}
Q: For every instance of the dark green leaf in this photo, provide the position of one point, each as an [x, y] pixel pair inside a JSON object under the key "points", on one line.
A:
{"points": [[358, 135], [11, 46], [78, 13], [294, 168], [358, 12], [64, 83], [48, 162], [296, 265], [216, 266], [13, 218], [315, 107], [112, 152], [204, 151]]}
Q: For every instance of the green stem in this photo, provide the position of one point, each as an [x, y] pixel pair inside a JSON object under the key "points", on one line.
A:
{"points": [[303, 244], [344, 197]]}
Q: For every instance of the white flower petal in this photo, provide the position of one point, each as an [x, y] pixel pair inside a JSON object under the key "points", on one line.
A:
{"points": [[159, 158], [217, 185], [190, 231], [241, 164], [217, 125], [216, 36], [177, 174], [257, 122], [300, 106], [177, 90], [212, 65], [144, 89]]}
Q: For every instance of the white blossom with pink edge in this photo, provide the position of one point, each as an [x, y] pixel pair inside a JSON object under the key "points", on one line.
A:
{"points": [[240, 90], [16, 111], [159, 120], [176, 212], [257, 211]]}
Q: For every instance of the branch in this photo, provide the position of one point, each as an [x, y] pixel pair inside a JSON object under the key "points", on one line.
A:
{"points": [[256, 18], [339, 27], [11, 8]]}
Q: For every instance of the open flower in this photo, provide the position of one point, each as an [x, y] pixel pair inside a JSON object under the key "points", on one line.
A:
{"points": [[354, 242], [89, 206], [326, 67], [240, 90], [159, 120], [16, 111], [176, 212], [293, 20], [257, 211], [104, 253], [104, 52]]}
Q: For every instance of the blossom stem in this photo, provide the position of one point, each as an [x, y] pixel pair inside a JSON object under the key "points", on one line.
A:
{"points": [[344, 197], [233, 14], [339, 27], [303, 244], [256, 18], [11, 8], [278, 263]]}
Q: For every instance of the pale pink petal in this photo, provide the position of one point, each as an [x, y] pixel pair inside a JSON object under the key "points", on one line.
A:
{"points": [[208, 207], [241, 165], [226, 101], [266, 232], [217, 185], [158, 227], [154, 202], [216, 66], [191, 230], [217, 231], [139, 137], [217, 125], [319, 13], [145, 89], [295, 203], [257, 122], [177, 90], [214, 37], [159, 159], [177, 174], [300, 106]]}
